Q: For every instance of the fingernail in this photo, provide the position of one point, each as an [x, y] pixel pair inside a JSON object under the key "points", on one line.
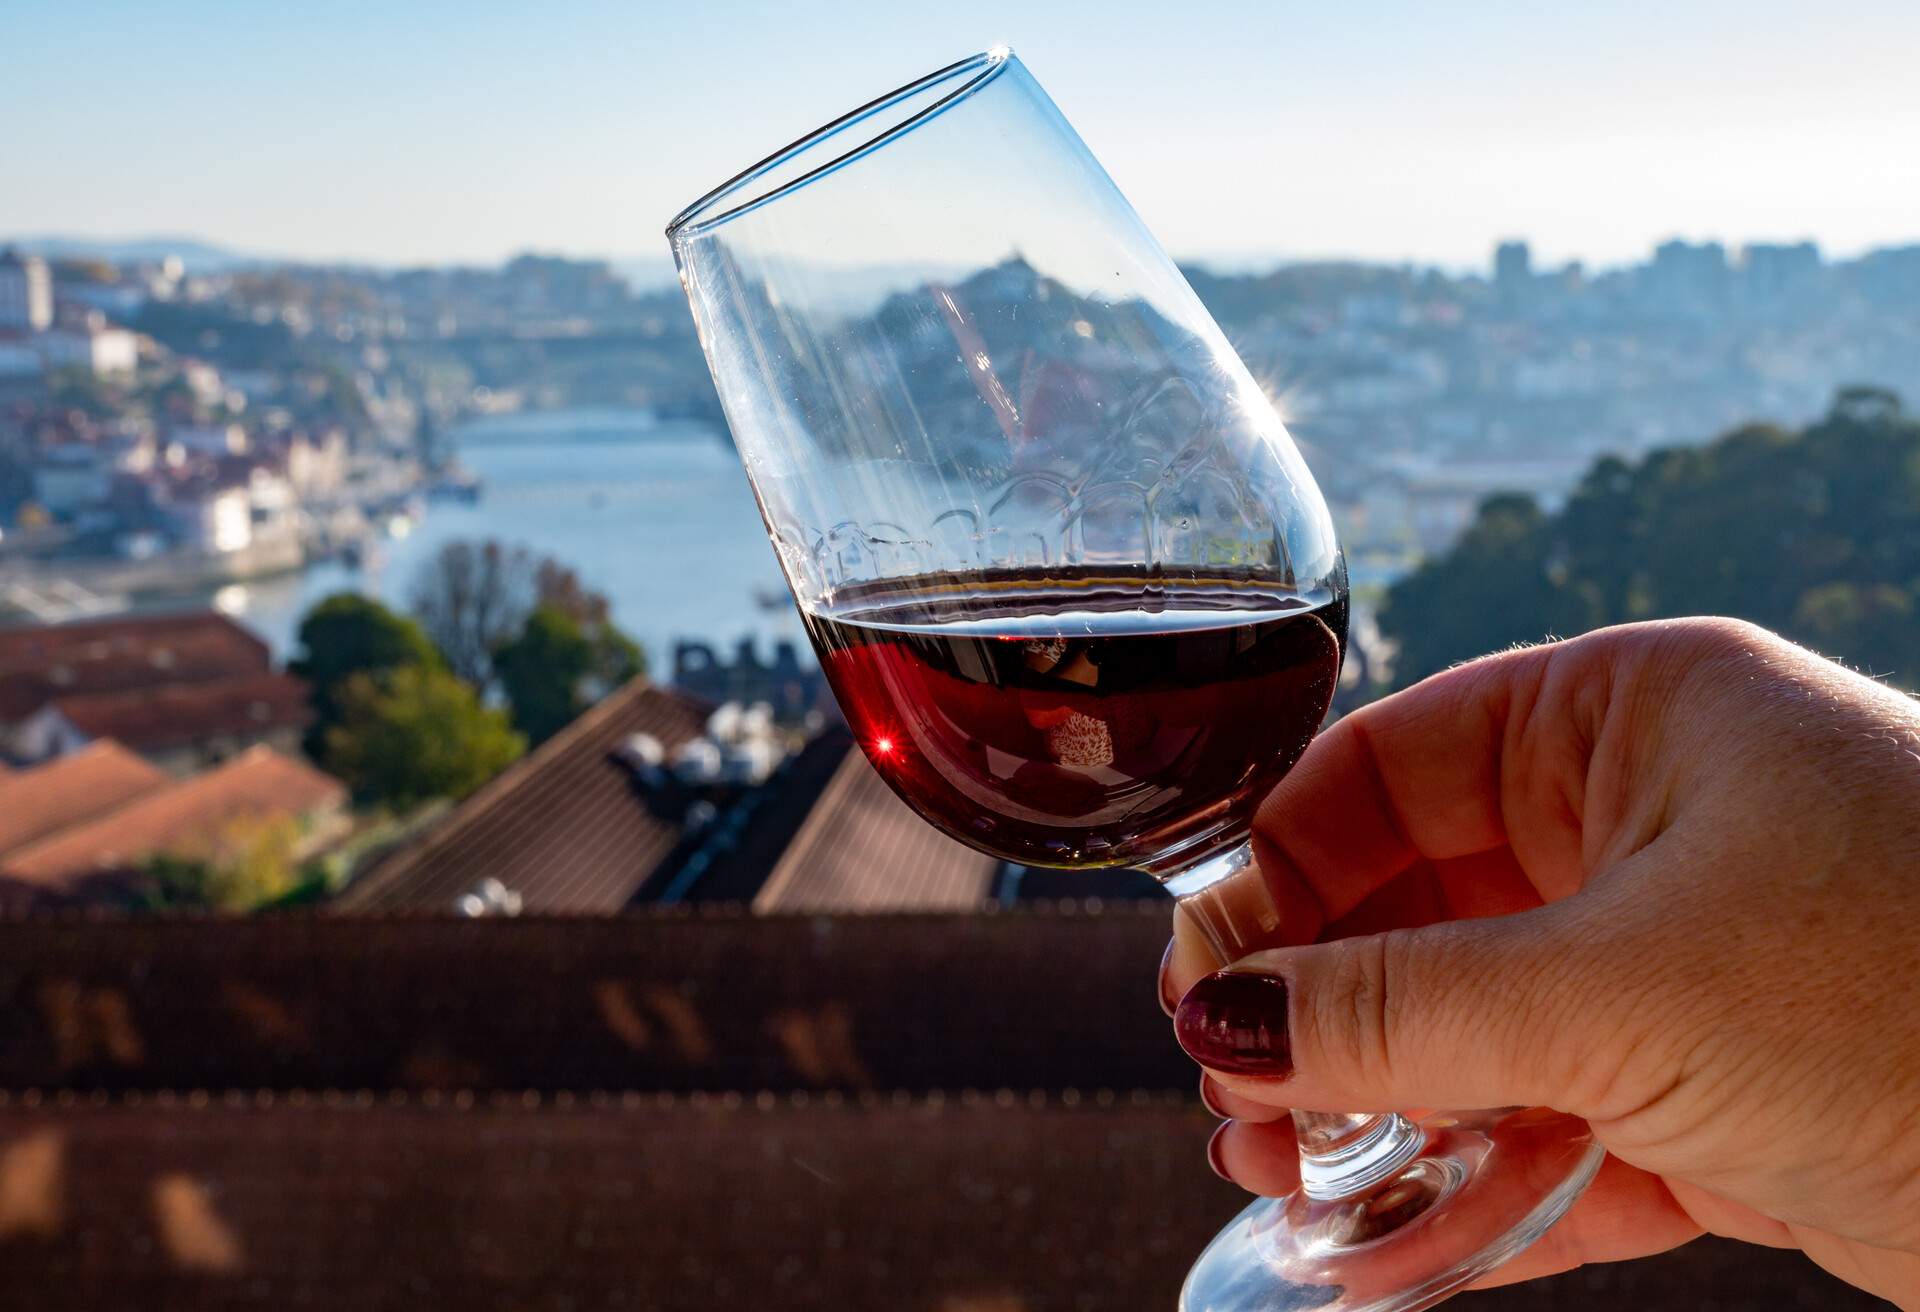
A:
{"points": [[1168, 1002], [1215, 1159], [1207, 1098], [1235, 1021]]}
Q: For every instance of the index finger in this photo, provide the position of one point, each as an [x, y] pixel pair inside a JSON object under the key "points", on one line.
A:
{"points": [[1425, 775], [1480, 757]]}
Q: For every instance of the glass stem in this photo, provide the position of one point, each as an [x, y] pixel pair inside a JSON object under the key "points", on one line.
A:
{"points": [[1341, 1153]]}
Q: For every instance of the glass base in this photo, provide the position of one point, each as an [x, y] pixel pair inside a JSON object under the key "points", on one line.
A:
{"points": [[1483, 1187]]}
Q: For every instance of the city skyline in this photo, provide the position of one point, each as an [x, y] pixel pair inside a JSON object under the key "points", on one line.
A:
{"points": [[442, 135], [646, 273]]}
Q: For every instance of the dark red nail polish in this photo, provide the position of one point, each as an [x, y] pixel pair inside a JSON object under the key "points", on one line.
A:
{"points": [[1236, 1022], [1168, 1002], [1214, 1157], [1207, 1098]]}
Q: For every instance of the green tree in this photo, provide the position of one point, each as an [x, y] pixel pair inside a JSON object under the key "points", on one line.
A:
{"points": [[1871, 625], [1815, 533], [416, 733], [558, 666], [346, 635], [250, 861], [1519, 592], [475, 597]]}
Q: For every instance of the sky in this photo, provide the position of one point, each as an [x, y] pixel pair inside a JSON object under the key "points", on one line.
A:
{"points": [[1244, 133]]}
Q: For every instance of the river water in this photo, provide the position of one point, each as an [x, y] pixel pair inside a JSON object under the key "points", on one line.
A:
{"points": [[656, 516]]}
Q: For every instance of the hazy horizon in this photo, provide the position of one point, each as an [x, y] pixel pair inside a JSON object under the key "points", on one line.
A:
{"points": [[642, 269], [443, 134]]}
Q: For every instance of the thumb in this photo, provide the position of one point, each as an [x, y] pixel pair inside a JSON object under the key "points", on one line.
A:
{"points": [[1467, 1013]]}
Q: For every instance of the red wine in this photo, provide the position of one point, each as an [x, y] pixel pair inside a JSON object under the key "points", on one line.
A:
{"points": [[1083, 719]]}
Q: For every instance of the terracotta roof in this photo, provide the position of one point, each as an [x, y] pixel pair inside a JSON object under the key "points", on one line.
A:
{"points": [[42, 662], [183, 818], [564, 827], [863, 849], [150, 719], [91, 782]]}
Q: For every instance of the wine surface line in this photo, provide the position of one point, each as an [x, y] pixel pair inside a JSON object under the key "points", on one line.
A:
{"points": [[1083, 719]]}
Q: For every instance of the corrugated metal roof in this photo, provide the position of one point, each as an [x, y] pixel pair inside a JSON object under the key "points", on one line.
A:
{"points": [[91, 782], [565, 827], [862, 849]]}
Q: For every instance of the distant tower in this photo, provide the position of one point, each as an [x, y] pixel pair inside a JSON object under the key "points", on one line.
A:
{"points": [[26, 292], [1687, 278], [1774, 270], [1513, 271]]}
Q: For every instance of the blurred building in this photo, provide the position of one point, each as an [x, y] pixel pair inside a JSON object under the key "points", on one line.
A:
{"points": [[183, 690], [26, 292], [783, 683], [316, 463], [1513, 274], [1775, 271], [89, 343], [1687, 278]]}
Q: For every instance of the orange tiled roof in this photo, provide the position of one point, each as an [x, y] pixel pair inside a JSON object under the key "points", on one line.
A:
{"points": [[91, 782], [183, 818]]}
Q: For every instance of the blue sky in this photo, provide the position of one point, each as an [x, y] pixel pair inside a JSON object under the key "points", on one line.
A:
{"points": [[440, 131]]}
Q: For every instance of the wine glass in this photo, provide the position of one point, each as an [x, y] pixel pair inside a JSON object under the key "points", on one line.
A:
{"points": [[1073, 586]]}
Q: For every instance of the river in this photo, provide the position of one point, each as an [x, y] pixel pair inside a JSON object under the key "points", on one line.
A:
{"points": [[656, 516]]}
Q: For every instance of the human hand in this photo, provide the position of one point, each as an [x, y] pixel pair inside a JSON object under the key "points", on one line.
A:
{"points": [[1666, 877]]}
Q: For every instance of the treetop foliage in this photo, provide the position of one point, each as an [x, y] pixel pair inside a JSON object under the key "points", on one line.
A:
{"points": [[1812, 532]]}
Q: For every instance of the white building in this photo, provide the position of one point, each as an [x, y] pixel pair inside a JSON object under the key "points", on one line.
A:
{"points": [[317, 465], [44, 735], [26, 292], [203, 380], [92, 344], [272, 505], [214, 522]]}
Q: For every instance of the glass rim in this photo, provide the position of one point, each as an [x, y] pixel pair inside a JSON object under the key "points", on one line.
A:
{"points": [[985, 66]]}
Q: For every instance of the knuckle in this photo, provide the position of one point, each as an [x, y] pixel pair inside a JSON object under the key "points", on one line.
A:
{"points": [[1353, 1008], [1616, 1013], [1719, 637]]}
